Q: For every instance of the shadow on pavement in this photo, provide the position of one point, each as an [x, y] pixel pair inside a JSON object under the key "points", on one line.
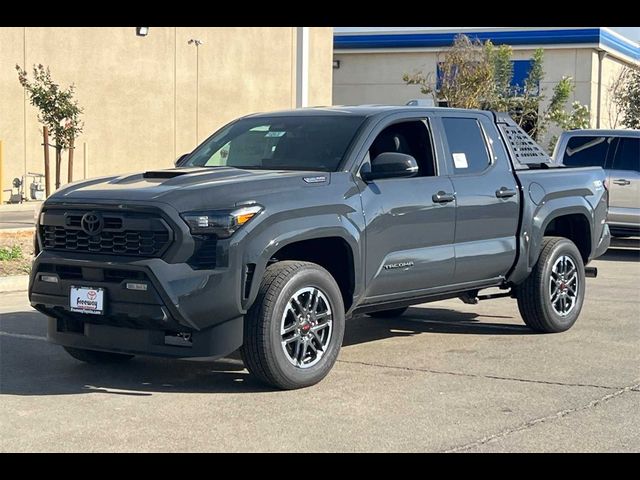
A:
{"points": [[614, 254], [31, 366], [414, 321]]}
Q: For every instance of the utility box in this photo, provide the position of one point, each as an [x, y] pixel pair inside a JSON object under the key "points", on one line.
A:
{"points": [[37, 191]]}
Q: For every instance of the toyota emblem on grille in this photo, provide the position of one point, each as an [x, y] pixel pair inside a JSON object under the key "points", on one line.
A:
{"points": [[92, 223]]}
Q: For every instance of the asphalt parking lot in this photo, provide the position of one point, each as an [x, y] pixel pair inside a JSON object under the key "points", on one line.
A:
{"points": [[444, 377]]}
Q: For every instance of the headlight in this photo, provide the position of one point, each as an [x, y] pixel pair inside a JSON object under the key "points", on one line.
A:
{"points": [[222, 223]]}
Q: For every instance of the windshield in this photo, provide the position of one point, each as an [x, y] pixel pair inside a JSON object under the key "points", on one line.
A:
{"points": [[279, 143]]}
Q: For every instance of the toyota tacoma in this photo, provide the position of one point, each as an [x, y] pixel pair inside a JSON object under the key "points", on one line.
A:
{"points": [[280, 226]]}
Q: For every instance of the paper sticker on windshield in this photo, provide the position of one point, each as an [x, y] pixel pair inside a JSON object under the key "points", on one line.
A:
{"points": [[460, 160], [275, 134]]}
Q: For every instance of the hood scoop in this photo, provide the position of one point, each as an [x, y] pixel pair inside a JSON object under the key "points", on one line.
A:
{"points": [[166, 173]]}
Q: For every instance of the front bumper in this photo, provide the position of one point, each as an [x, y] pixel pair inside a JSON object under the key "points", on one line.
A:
{"points": [[183, 312]]}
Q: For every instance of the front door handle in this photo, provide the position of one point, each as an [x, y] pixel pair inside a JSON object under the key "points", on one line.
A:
{"points": [[504, 192], [443, 197], [622, 181]]}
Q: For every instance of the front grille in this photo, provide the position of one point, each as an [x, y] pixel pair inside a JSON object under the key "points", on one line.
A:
{"points": [[131, 234]]}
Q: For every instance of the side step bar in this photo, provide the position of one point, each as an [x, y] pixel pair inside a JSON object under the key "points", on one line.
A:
{"points": [[472, 297]]}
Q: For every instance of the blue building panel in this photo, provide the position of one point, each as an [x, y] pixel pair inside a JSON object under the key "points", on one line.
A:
{"points": [[516, 37]]}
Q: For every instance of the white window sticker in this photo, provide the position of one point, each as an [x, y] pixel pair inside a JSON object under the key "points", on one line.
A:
{"points": [[460, 160], [275, 134]]}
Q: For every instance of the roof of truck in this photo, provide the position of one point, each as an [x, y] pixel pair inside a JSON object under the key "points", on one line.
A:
{"points": [[358, 110]]}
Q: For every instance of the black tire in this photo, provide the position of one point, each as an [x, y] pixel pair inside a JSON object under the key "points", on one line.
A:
{"points": [[97, 357], [534, 294], [394, 312], [262, 350]]}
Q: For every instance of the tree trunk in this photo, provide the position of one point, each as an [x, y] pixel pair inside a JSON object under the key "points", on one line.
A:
{"points": [[70, 166], [58, 164], [47, 182]]}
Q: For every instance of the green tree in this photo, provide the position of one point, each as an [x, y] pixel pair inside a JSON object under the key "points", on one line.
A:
{"points": [[479, 75], [58, 110], [577, 118], [466, 74]]}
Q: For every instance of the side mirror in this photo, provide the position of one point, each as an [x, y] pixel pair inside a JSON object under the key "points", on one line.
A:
{"points": [[390, 165], [181, 159]]}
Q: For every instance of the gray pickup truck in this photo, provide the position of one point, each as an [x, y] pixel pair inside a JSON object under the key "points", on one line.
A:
{"points": [[282, 225]]}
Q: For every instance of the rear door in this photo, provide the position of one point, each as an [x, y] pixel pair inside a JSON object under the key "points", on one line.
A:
{"points": [[624, 184], [487, 197]]}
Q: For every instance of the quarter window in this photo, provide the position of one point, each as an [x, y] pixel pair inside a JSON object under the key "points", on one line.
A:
{"points": [[628, 155], [466, 145], [585, 151]]}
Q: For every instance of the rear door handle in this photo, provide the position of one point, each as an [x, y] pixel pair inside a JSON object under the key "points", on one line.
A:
{"points": [[622, 181], [443, 197], [504, 192]]}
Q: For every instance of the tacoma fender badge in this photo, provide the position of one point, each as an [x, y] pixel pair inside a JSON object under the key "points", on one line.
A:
{"points": [[392, 266], [318, 179]]}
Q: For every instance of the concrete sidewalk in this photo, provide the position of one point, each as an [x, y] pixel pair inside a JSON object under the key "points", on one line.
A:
{"points": [[14, 283], [19, 215]]}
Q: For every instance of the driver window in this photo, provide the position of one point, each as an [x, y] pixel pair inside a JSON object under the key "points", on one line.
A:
{"points": [[411, 138]]}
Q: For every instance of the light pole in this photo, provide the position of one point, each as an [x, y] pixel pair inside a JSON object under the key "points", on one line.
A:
{"points": [[197, 43]]}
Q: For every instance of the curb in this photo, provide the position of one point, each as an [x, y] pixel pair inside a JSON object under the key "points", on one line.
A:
{"points": [[19, 207], [16, 231], [14, 283]]}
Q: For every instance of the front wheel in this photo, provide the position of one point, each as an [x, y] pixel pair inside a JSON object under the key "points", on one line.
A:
{"points": [[294, 330], [551, 298]]}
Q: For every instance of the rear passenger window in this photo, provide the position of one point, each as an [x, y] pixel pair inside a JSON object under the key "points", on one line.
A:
{"points": [[586, 151], [467, 145], [627, 155]]}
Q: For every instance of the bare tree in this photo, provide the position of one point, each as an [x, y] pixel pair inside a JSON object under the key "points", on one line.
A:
{"points": [[615, 90]]}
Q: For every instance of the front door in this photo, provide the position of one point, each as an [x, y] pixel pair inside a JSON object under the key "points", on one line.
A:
{"points": [[409, 221]]}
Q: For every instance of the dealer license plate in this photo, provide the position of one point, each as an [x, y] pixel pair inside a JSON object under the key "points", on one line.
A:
{"points": [[87, 300]]}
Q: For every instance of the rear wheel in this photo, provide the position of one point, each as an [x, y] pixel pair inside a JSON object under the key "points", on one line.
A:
{"points": [[394, 312], [294, 330], [97, 357], [551, 298]]}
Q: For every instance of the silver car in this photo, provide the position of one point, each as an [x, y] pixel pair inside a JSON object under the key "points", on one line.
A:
{"points": [[618, 152]]}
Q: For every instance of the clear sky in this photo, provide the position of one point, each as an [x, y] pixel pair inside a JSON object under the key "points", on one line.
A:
{"points": [[632, 33]]}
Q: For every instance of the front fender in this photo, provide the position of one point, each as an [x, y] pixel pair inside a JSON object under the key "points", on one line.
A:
{"points": [[261, 247]]}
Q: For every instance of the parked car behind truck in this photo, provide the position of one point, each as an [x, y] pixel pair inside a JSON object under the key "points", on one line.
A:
{"points": [[618, 152], [280, 226]]}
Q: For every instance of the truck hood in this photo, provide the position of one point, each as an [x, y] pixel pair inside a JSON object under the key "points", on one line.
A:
{"points": [[190, 188]]}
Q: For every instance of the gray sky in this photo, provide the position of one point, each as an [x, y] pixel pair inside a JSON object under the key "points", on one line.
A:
{"points": [[632, 33]]}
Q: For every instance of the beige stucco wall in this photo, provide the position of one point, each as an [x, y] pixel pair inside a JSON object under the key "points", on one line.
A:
{"points": [[611, 70], [377, 77], [139, 93]]}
